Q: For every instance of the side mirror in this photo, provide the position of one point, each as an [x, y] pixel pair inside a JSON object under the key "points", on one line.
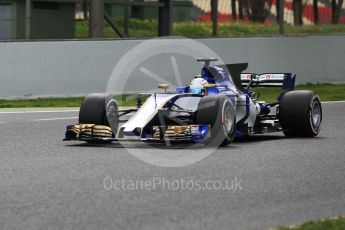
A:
{"points": [[163, 86], [208, 86], [211, 89]]}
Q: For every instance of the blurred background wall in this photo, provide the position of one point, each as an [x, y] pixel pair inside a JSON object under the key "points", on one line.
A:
{"points": [[67, 68]]}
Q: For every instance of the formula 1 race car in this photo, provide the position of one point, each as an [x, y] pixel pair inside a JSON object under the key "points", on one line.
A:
{"points": [[215, 108]]}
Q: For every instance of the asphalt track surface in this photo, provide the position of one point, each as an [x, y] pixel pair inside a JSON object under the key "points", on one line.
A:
{"points": [[49, 184]]}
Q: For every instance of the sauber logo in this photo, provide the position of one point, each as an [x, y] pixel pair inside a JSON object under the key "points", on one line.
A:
{"points": [[271, 77], [246, 77], [264, 77]]}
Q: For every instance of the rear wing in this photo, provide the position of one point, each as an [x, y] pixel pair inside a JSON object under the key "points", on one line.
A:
{"points": [[282, 80]]}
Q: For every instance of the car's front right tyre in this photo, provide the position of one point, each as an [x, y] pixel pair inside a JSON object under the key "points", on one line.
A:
{"points": [[99, 109]]}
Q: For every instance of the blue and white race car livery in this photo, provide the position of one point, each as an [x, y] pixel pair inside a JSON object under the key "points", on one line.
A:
{"points": [[217, 106]]}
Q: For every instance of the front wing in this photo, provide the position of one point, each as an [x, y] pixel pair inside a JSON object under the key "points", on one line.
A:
{"points": [[94, 133]]}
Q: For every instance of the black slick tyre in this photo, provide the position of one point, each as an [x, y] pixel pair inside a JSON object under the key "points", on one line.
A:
{"points": [[300, 113], [99, 109], [218, 112]]}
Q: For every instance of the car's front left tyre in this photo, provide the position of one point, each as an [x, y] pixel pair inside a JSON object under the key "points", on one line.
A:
{"points": [[218, 112]]}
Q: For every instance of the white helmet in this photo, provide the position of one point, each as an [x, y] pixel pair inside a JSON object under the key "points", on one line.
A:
{"points": [[197, 84]]}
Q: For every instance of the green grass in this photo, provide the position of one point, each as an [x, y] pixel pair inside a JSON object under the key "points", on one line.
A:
{"points": [[124, 100], [327, 92], [41, 102], [329, 224], [148, 28]]}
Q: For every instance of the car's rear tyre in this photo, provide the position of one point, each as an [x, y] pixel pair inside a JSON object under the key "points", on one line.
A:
{"points": [[217, 111], [99, 109], [300, 113]]}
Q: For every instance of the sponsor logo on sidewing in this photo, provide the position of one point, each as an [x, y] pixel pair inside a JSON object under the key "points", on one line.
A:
{"points": [[264, 77]]}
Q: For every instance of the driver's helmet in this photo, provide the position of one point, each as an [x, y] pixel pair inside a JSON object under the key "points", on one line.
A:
{"points": [[197, 85]]}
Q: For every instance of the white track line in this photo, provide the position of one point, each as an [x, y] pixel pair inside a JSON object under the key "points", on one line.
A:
{"points": [[23, 112], [55, 119], [331, 102], [43, 119]]}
